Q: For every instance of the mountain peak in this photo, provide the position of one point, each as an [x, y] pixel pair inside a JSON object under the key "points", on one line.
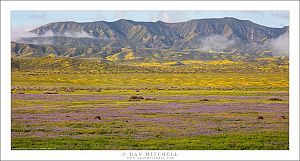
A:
{"points": [[159, 21], [232, 18], [123, 20]]}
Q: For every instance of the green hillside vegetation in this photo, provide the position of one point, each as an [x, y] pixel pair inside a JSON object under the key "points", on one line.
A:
{"points": [[133, 55], [77, 65]]}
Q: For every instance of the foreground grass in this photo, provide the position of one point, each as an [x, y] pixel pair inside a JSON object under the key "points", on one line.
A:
{"points": [[270, 140]]}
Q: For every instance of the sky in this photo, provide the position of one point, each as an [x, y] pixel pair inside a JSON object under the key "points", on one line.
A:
{"points": [[32, 19]]}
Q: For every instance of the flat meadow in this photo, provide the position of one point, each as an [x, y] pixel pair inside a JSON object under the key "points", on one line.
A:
{"points": [[194, 105]]}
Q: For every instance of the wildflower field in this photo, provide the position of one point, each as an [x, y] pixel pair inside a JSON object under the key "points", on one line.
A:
{"points": [[69, 103]]}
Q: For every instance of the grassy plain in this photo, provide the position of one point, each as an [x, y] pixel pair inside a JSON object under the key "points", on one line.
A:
{"points": [[63, 103]]}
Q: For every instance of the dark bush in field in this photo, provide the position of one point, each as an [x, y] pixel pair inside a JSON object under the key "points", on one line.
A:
{"points": [[260, 117], [205, 99], [98, 117], [50, 93], [136, 97], [275, 99], [282, 117]]}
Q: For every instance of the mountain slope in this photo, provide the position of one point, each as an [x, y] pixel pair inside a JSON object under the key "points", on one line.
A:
{"points": [[124, 54], [164, 35], [200, 35]]}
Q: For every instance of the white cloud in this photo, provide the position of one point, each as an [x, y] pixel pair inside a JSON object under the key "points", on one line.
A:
{"points": [[77, 34], [280, 45], [216, 43], [16, 33]]}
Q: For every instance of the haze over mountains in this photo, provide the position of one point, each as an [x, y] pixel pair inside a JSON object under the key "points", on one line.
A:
{"points": [[139, 40]]}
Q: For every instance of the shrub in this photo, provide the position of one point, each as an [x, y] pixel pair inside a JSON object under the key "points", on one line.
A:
{"points": [[275, 99], [260, 117], [136, 97], [282, 117], [205, 99], [50, 93], [98, 117]]}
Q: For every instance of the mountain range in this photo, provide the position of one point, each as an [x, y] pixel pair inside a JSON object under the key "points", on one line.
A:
{"points": [[214, 35]]}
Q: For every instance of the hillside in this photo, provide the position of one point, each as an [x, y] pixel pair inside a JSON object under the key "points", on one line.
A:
{"points": [[77, 65], [125, 54], [200, 36]]}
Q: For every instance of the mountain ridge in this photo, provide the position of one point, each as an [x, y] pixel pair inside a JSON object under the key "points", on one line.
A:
{"points": [[211, 34], [167, 33]]}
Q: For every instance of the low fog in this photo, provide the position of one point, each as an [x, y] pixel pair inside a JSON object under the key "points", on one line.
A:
{"points": [[17, 33], [216, 43], [280, 45]]}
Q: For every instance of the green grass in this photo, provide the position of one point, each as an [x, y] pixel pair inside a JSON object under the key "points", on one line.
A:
{"points": [[242, 141]]}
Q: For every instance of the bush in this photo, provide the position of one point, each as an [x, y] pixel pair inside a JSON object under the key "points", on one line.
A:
{"points": [[282, 117], [260, 117], [205, 99], [136, 97], [275, 99], [50, 93]]}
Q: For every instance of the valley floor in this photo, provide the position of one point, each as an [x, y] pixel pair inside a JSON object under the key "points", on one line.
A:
{"points": [[183, 111]]}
